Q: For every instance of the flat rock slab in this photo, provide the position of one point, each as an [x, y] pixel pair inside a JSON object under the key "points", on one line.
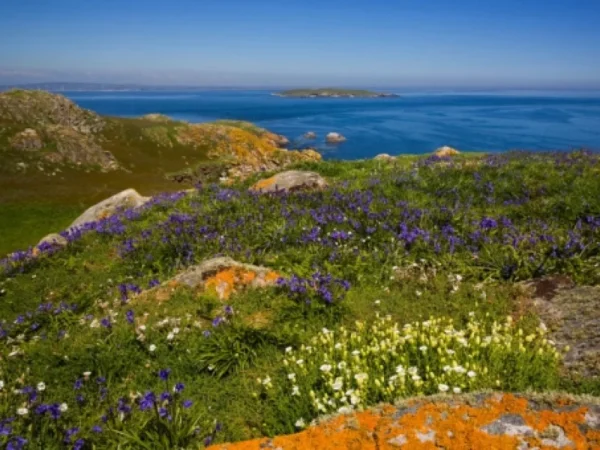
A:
{"points": [[222, 276], [290, 180], [128, 198], [493, 421], [572, 315]]}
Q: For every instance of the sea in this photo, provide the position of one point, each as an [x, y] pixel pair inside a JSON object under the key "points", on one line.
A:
{"points": [[414, 123]]}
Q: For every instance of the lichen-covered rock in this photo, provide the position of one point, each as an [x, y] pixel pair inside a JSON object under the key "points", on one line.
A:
{"points": [[451, 423], [28, 140], [53, 239], [445, 152], [128, 198], [334, 138], [290, 180], [223, 276]]}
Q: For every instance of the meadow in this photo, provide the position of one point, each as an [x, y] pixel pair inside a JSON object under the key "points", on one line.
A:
{"points": [[401, 279]]}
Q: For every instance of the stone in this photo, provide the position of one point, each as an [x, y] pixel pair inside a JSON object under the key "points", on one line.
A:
{"points": [[398, 441], [510, 425], [28, 140], [128, 198], [310, 135], [384, 157], [334, 138], [53, 239], [425, 437], [445, 152], [554, 436], [224, 276], [290, 180]]}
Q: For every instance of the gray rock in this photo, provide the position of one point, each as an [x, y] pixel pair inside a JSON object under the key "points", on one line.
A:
{"points": [[128, 198], [290, 180], [426, 437], [334, 138], [310, 135], [555, 437], [510, 425], [398, 441], [53, 239], [384, 157]]}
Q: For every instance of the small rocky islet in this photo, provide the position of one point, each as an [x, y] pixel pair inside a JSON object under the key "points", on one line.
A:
{"points": [[282, 301]]}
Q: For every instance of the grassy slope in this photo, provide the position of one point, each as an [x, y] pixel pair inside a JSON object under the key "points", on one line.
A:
{"points": [[265, 322]]}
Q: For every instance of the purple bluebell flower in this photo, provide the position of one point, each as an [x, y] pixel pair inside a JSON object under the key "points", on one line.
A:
{"points": [[147, 401], [163, 374], [130, 316], [179, 387], [187, 404], [79, 444], [78, 384], [106, 322], [97, 429]]}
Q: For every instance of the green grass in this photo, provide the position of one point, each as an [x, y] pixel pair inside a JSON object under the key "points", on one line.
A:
{"points": [[548, 202]]}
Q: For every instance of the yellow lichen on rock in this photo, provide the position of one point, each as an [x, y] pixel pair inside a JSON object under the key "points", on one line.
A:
{"points": [[228, 281]]}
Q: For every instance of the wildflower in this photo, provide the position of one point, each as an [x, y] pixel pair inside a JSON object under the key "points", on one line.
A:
{"points": [[443, 387], [300, 423], [106, 322], [471, 374], [178, 388], [338, 384], [41, 386], [86, 375], [288, 349], [1, 385], [63, 407], [152, 348], [78, 384], [291, 376], [147, 401], [361, 377], [163, 374], [22, 411], [130, 316], [295, 390], [423, 348], [326, 368], [97, 429], [456, 390], [187, 404]]}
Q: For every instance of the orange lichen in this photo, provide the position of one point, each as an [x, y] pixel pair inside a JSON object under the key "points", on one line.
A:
{"points": [[232, 279], [451, 425], [263, 184]]}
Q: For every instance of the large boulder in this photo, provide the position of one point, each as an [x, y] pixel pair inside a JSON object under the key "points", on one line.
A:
{"points": [[334, 138], [445, 152], [290, 180], [128, 198], [222, 276]]}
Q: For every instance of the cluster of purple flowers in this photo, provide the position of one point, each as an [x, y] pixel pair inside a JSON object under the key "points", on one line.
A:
{"points": [[319, 287]]}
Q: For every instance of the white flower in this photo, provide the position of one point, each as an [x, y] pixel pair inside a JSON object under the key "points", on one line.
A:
{"points": [[1, 385], [291, 376], [450, 351], [419, 293], [416, 377], [471, 374], [152, 348], [456, 390], [400, 369], [63, 407], [94, 323], [447, 368], [355, 353], [460, 369], [41, 386], [377, 302], [342, 365], [22, 411], [288, 349], [361, 377], [170, 336], [338, 346], [266, 381], [325, 331], [443, 387], [176, 330], [338, 384], [300, 362], [300, 423], [142, 327], [325, 368], [423, 348], [345, 410], [354, 399], [295, 390], [87, 374]]}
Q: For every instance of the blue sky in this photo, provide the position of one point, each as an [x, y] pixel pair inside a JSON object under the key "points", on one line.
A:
{"points": [[413, 43]]}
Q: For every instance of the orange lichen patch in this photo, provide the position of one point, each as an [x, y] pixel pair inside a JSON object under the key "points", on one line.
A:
{"points": [[230, 280], [451, 424], [263, 184]]}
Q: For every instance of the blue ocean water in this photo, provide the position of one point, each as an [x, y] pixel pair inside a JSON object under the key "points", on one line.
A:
{"points": [[412, 123]]}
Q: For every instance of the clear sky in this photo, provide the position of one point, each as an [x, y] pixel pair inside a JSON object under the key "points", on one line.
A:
{"points": [[420, 43]]}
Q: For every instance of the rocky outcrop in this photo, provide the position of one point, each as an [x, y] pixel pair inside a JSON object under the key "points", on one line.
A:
{"points": [[572, 317], [155, 117], [480, 421], [221, 276], [445, 152], [310, 135], [334, 138], [128, 198], [292, 180], [28, 140]]}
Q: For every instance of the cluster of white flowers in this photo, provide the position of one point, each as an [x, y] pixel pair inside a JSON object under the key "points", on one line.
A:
{"points": [[345, 370]]}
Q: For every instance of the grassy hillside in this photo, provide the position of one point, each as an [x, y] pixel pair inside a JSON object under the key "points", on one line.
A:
{"points": [[428, 254], [57, 157]]}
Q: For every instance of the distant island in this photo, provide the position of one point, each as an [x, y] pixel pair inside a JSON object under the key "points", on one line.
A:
{"points": [[333, 93]]}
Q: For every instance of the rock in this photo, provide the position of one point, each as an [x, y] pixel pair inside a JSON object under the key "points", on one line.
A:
{"points": [[53, 239], [310, 135], [334, 138], [446, 152], [509, 425], [128, 198], [155, 117], [224, 276], [384, 157], [572, 316], [291, 180], [28, 140], [22, 166]]}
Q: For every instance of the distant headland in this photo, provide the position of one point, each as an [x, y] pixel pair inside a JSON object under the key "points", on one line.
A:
{"points": [[333, 93]]}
